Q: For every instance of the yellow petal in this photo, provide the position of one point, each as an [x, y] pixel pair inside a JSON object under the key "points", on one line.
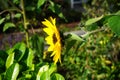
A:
{"points": [[49, 40], [49, 31], [53, 21], [48, 24]]}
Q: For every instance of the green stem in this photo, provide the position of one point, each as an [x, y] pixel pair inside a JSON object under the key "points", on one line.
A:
{"points": [[25, 23], [94, 31], [8, 10]]}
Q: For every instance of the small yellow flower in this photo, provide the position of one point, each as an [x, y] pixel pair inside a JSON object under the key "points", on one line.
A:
{"points": [[53, 38]]}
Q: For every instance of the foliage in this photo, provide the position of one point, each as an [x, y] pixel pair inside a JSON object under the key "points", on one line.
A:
{"points": [[20, 64], [95, 8], [13, 12], [91, 56], [97, 55]]}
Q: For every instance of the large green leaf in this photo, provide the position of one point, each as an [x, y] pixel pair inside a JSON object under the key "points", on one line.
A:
{"points": [[57, 76], [40, 3], [114, 24], [12, 72], [45, 76], [10, 60], [19, 49], [30, 58], [43, 73], [93, 20], [7, 26]]}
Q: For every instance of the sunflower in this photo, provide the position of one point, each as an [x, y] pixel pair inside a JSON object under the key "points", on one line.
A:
{"points": [[53, 39]]}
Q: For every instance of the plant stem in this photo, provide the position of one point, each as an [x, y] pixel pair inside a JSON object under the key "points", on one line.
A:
{"points": [[94, 31], [8, 10], [25, 23]]}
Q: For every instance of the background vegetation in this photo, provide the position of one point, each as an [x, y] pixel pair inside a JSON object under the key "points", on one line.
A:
{"points": [[94, 55]]}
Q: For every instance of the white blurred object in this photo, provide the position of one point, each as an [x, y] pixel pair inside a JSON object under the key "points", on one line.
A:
{"points": [[74, 2]]}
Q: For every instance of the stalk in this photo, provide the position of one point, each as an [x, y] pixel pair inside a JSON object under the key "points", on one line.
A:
{"points": [[25, 23]]}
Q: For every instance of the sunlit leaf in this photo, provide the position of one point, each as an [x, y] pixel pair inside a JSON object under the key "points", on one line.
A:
{"points": [[93, 20], [43, 73], [114, 24], [52, 68], [9, 60], [30, 58], [117, 13], [40, 3], [2, 20], [12, 72], [7, 26], [73, 36], [45, 76], [57, 76], [17, 15]]}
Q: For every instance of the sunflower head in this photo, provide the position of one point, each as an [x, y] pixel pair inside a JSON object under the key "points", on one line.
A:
{"points": [[53, 39]]}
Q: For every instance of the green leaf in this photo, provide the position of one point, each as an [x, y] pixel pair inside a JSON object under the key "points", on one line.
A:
{"points": [[43, 73], [40, 3], [114, 24], [9, 51], [3, 57], [55, 8], [19, 49], [73, 36], [7, 26], [93, 20], [0, 77], [2, 20], [16, 1], [17, 15], [7, 17], [9, 60], [57, 76], [117, 13], [45, 76], [12, 72], [30, 8], [92, 27], [30, 58], [52, 68]]}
